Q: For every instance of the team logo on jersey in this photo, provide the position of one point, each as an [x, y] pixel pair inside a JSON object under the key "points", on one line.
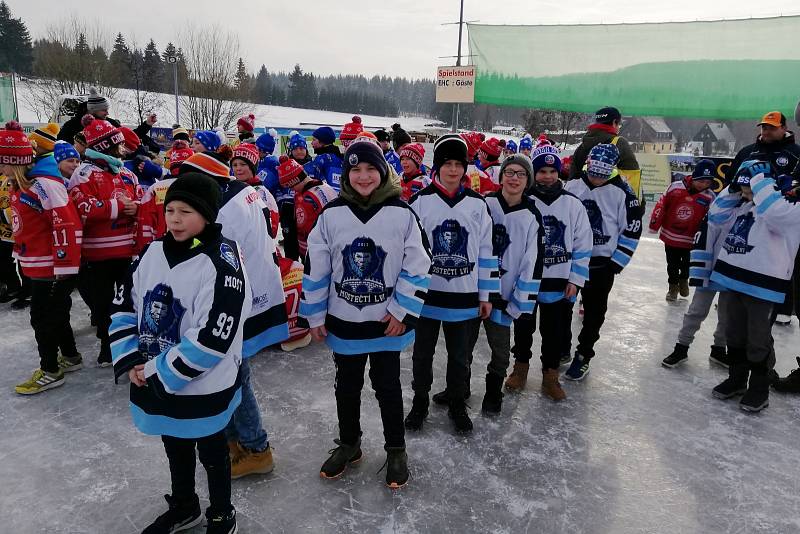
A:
{"points": [[16, 221], [61, 254], [450, 258], [782, 161], [500, 242], [684, 212], [227, 253], [596, 221], [736, 240], [362, 282], [159, 328], [555, 248]]}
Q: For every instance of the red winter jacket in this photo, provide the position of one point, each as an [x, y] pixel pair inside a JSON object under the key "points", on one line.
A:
{"points": [[46, 225], [308, 205], [679, 213], [107, 232], [151, 224], [410, 185]]}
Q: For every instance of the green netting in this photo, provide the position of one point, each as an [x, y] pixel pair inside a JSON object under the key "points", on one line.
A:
{"points": [[735, 69], [8, 108]]}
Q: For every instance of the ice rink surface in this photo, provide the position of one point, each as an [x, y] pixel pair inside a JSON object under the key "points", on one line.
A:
{"points": [[636, 448]]}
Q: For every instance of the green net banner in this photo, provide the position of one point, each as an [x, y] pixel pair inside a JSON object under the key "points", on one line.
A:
{"points": [[736, 69], [8, 108]]}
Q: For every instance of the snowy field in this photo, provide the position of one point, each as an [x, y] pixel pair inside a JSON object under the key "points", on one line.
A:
{"points": [[636, 448]]}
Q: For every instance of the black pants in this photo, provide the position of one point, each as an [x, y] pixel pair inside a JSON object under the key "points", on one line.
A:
{"points": [[457, 338], [11, 273], [50, 307], [384, 373], [104, 277], [792, 294], [213, 452], [555, 327], [291, 248], [595, 304], [748, 328], [677, 264]]}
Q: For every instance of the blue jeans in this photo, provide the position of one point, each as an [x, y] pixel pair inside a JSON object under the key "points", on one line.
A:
{"points": [[245, 425]]}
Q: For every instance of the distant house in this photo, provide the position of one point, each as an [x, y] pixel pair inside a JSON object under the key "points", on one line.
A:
{"points": [[650, 135], [713, 139]]}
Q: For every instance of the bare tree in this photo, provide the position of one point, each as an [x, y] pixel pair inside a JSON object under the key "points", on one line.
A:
{"points": [[211, 55]]}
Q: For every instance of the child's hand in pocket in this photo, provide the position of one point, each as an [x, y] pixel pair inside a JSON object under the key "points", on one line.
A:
{"points": [[395, 327]]}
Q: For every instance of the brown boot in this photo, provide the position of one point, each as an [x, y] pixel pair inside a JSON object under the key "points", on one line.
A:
{"points": [[251, 462], [518, 377], [672, 294], [551, 386], [683, 288], [234, 450]]}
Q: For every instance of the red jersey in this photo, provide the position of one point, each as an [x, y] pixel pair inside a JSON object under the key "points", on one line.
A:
{"points": [[151, 224], [679, 213], [108, 233], [411, 184], [308, 204], [479, 181], [47, 228], [292, 278]]}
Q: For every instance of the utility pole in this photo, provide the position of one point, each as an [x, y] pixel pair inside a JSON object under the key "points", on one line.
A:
{"points": [[174, 61], [458, 62]]}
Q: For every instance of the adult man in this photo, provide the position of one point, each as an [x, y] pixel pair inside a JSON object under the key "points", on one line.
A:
{"points": [[605, 129], [775, 143]]}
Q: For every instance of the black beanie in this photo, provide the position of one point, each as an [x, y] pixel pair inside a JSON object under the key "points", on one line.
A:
{"points": [[400, 137], [607, 115], [447, 147], [365, 152], [199, 191], [382, 135]]}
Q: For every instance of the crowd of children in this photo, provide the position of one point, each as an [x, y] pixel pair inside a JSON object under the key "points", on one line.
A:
{"points": [[181, 271]]}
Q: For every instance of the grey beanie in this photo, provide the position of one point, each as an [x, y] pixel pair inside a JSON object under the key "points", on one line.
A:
{"points": [[96, 102], [523, 161]]}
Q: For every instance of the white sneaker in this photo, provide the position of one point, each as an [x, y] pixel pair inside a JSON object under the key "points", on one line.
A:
{"points": [[783, 319]]}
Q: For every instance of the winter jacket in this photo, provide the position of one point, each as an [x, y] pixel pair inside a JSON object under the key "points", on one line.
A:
{"points": [[394, 160], [6, 214], [326, 166], [46, 225], [181, 314], [107, 232], [151, 224], [679, 212], [361, 265], [308, 204], [413, 184], [480, 182], [597, 135], [784, 156]]}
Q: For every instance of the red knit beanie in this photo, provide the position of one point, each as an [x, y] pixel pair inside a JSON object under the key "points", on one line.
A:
{"points": [[15, 147], [351, 129], [491, 148], [249, 153], [289, 172], [413, 151], [248, 122], [100, 135]]}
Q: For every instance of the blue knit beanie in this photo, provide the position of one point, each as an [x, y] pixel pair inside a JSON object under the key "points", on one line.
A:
{"points": [[266, 143], [602, 160], [208, 139], [325, 135], [545, 156], [63, 150], [297, 141]]}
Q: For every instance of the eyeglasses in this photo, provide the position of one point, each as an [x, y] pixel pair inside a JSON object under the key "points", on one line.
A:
{"points": [[522, 175]]}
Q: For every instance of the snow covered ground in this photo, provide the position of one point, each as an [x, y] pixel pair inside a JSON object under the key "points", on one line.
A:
{"points": [[636, 448]]}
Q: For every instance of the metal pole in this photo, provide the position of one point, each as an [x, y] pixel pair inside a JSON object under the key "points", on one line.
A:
{"points": [[177, 108], [14, 93], [458, 61]]}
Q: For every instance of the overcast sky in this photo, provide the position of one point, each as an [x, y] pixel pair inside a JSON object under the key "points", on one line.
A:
{"points": [[396, 37]]}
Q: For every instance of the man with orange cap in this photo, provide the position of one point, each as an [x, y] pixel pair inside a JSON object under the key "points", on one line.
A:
{"points": [[775, 143]]}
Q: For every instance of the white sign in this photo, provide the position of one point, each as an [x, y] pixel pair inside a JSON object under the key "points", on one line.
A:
{"points": [[455, 84]]}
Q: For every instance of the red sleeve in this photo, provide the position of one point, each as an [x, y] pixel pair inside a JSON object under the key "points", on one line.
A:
{"points": [[145, 222], [89, 204], [67, 231], [657, 217], [305, 213]]}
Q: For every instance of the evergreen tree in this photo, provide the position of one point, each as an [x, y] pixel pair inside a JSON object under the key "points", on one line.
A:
{"points": [[262, 87], [119, 72], [241, 81], [296, 97], [152, 68], [16, 49]]}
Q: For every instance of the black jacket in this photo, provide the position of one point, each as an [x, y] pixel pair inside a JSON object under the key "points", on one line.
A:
{"points": [[784, 156]]}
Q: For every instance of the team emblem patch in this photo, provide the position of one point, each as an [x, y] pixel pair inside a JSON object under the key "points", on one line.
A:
{"points": [[227, 253], [450, 258], [353, 160], [549, 159], [500, 243], [737, 238], [782, 161], [159, 327], [596, 222], [362, 280], [555, 248]]}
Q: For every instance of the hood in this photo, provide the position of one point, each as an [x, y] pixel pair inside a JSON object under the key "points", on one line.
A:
{"points": [[45, 166]]}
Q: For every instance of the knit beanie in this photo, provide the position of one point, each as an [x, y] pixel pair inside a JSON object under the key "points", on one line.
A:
{"points": [[325, 135], [382, 136], [266, 143], [545, 156], [526, 143], [132, 140], [296, 141], [100, 135], [602, 160], [367, 136], [704, 170], [543, 140], [351, 130], [178, 155], [209, 139], [474, 141], [15, 147], [63, 150], [511, 146], [45, 136], [413, 151], [247, 122], [290, 173], [607, 115], [96, 102], [447, 147], [208, 163], [523, 161], [491, 148], [399, 136], [180, 133], [248, 153], [365, 151], [199, 191]]}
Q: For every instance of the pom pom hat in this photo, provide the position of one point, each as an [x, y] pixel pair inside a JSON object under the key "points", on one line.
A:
{"points": [[15, 147], [290, 173]]}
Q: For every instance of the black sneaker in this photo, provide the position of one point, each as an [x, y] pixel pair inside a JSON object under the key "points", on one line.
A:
{"points": [[418, 413], [754, 400], [21, 303], [679, 355], [729, 388], [719, 356], [791, 383], [340, 458], [396, 467], [221, 523], [178, 517], [565, 359], [458, 413], [7, 295], [104, 358], [443, 397]]}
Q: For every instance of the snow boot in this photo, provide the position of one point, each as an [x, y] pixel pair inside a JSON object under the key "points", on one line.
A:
{"points": [[519, 376], [683, 288], [719, 356], [672, 293], [458, 413], [791, 383], [418, 413], [738, 373], [679, 355], [396, 467], [756, 398], [551, 386], [249, 462], [340, 458], [493, 400], [180, 516], [443, 397]]}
